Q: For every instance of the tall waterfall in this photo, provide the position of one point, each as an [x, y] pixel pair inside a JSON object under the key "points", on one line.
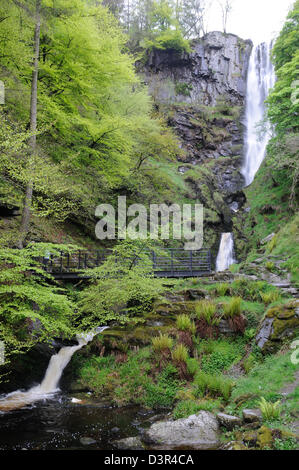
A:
{"points": [[49, 385], [261, 78], [226, 252]]}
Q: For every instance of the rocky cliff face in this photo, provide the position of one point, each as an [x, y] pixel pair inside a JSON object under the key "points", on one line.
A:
{"points": [[202, 94], [216, 69]]}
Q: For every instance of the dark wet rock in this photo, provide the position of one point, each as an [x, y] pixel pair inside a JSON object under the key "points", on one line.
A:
{"points": [[229, 421], [129, 443], [252, 415], [115, 429], [87, 441], [225, 328], [194, 294], [199, 431], [265, 332]]}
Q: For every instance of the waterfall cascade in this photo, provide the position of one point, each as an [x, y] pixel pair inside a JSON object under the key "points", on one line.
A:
{"points": [[49, 385], [261, 78], [226, 252]]}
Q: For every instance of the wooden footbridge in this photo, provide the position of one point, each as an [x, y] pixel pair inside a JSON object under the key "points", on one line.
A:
{"points": [[172, 263]]}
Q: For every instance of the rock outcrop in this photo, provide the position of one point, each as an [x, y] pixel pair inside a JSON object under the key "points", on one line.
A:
{"points": [[280, 323], [199, 431], [202, 95], [216, 68]]}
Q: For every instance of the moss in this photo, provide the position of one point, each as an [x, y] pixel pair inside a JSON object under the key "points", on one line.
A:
{"points": [[264, 437], [285, 325], [249, 438], [238, 446]]}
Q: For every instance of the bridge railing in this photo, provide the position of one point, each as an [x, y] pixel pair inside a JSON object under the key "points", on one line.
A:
{"points": [[170, 262]]}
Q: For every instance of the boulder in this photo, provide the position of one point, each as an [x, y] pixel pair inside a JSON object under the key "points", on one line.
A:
{"points": [[228, 421], [267, 239], [87, 441], [129, 443], [280, 322], [199, 431], [234, 445], [252, 415]]}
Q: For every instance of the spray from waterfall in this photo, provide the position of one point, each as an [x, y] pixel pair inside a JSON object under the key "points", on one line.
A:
{"points": [[260, 80], [49, 385]]}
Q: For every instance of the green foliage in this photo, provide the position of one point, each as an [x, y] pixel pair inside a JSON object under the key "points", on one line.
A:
{"points": [[162, 343], [183, 88], [286, 444], [249, 363], [270, 266], [248, 290], [96, 125], [213, 385], [206, 309], [164, 31], [222, 289], [180, 353], [269, 297], [269, 410], [129, 382], [32, 307], [120, 288], [185, 408], [233, 307], [283, 102], [219, 355], [170, 39], [265, 379], [184, 323], [272, 244], [162, 393]]}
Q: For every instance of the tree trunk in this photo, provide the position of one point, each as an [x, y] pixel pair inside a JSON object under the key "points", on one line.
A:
{"points": [[33, 127]]}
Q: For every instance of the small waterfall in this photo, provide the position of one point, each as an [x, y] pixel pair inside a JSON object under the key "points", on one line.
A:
{"points": [[261, 78], [226, 252], [49, 385]]}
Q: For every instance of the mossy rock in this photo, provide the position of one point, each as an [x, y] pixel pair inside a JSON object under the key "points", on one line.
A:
{"points": [[281, 322], [126, 338], [238, 446], [248, 438], [172, 309], [264, 437]]}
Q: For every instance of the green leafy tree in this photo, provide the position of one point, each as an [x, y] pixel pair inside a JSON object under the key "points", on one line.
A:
{"points": [[33, 309], [92, 112], [283, 102], [124, 286]]}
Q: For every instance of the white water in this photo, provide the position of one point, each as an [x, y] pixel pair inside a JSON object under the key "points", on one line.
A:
{"points": [[261, 78], [49, 385], [226, 252]]}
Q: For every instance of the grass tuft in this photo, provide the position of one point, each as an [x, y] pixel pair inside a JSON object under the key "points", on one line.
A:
{"points": [[180, 353], [233, 308], [162, 342]]}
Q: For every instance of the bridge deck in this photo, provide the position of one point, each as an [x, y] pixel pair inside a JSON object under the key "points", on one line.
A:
{"points": [[174, 263]]}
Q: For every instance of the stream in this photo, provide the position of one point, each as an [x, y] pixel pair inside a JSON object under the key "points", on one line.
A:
{"points": [[44, 418], [59, 424]]}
